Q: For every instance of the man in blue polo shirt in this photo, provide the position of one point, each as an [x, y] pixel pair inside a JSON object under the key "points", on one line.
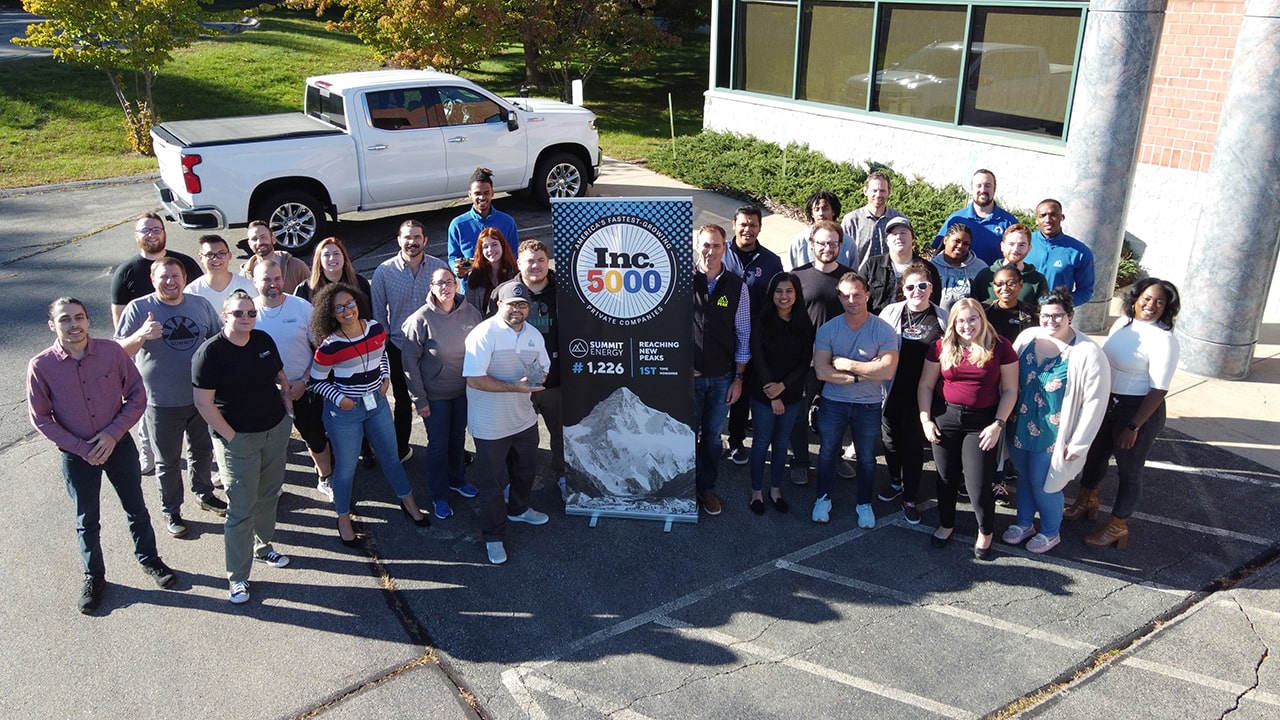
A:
{"points": [[1062, 259], [465, 228], [986, 220]]}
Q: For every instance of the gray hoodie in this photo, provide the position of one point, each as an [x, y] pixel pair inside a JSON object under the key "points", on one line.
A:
{"points": [[957, 281], [434, 348]]}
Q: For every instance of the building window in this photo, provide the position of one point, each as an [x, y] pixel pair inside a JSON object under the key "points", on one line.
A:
{"points": [[765, 48], [1006, 67]]}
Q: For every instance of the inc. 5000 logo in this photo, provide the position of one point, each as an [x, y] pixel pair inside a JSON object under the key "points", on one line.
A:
{"points": [[623, 268]]}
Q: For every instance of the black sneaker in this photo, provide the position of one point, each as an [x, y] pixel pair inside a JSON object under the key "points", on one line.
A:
{"points": [[891, 493], [214, 504], [91, 594], [174, 524], [911, 513], [1004, 498], [740, 456], [161, 573], [962, 493]]}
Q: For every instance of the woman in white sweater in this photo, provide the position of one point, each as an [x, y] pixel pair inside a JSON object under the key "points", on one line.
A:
{"points": [[1143, 354], [1064, 380]]}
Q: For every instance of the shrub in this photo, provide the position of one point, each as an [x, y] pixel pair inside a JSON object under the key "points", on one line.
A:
{"points": [[782, 178]]}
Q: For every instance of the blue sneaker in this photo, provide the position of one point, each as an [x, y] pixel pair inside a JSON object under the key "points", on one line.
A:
{"points": [[442, 509], [466, 490], [822, 509], [866, 516]]}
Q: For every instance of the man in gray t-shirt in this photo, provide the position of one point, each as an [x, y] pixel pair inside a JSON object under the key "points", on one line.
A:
{"points": [[856, 355], [162, 331]]}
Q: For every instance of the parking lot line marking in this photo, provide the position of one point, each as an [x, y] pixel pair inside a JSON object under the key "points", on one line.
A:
{"points": [[568, 694], [955, 612], [836, 676], [512, 680], [1076, 565], [644, 618], [1236, 604], [1203, 529], [1209, 472], [1200, 679]]}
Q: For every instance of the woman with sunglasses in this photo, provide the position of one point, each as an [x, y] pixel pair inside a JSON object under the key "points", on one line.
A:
{"points": [[493, 265], [976, 372], [1065, 381], [1143, 354], [919, 323], [351, 372], [239, 388]]}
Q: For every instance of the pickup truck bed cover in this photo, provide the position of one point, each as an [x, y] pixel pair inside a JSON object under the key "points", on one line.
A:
{"points": [[226, 131]]}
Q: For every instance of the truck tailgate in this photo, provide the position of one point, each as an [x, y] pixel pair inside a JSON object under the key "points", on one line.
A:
{"points": [[234, 130]]}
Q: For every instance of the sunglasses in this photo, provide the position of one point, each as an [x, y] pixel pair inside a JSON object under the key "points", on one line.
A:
{"points": [[348, 305], [921, 286], [241, 313]]}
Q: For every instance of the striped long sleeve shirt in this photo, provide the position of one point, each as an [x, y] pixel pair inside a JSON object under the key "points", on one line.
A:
{"points": [[350, 366]]}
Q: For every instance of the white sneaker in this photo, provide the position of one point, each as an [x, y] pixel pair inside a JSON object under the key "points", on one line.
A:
{"points": [[822, 509], [564, 488], [851, 453], [497, 553], [239, 592], [866, 516], [325, 487], [531, 516]]}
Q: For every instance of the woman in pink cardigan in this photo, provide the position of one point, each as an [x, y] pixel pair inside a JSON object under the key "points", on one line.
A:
{"points": [[1065, 381]]}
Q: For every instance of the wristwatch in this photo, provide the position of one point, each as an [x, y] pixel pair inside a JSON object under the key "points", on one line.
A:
{"points": [[1132, 426], [737, 376], [999, 422]]}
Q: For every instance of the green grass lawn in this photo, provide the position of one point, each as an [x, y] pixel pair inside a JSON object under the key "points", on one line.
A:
{"points": [[62, 122]]}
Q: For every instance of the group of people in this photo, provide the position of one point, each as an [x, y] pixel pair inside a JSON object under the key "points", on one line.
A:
{"points": [[855, 336], [232, 363]]}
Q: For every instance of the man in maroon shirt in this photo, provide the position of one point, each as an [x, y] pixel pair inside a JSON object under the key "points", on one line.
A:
{"points": [[84, 395]]}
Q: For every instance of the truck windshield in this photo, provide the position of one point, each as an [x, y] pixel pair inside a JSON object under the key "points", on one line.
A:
{"points": [[326, 105]]}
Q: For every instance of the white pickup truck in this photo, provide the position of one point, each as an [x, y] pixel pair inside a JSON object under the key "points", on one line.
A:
{"points": [[368, 140]]}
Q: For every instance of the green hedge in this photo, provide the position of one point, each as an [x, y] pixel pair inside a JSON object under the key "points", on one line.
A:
{"points": [[777, 176]]}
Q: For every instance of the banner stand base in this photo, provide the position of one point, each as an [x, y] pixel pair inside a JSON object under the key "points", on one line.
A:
{"points": [[594, 514]]}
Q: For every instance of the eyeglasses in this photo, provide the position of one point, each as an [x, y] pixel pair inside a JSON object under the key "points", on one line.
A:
{"points": [[1052, 317], [152, 230], [1007, 283], [921, 286], [216, 255], [444, 283], [241, 313], [348, 305], [835, 243]]}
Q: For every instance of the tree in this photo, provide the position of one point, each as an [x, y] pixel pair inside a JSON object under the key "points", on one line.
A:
{"points": [[452, 34], [120, 39]]}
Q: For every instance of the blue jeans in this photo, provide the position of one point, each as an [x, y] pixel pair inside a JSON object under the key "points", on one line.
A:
{"points": [[84, 485], [1033, 469], [710, 411], [446, 433], [346, 428], [863, 421], [769, 430]]}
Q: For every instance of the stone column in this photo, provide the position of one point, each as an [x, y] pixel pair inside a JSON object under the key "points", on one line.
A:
{"points": [[1112, 84], [1233, 256]]}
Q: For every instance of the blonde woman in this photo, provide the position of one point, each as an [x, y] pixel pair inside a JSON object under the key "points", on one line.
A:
{"points": [[967, 390]]}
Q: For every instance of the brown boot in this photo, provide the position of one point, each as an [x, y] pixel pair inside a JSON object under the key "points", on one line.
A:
{"points": [[1116, 532], [1086, 504]]}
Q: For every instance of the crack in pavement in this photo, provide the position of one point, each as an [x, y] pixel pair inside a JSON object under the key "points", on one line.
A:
{"points": [[1257, 668]]}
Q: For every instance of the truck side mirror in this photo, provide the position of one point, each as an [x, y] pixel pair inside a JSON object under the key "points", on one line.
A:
{"points": [[513, 122]]}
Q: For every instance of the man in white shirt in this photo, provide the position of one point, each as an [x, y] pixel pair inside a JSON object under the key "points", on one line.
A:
{"points": [[218, 281], [506, 361]]}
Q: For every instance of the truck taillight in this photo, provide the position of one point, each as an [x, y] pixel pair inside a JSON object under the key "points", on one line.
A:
{"points": [[189, 176]]}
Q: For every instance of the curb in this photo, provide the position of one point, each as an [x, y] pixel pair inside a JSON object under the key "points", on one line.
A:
{"points": [[78, 185]]}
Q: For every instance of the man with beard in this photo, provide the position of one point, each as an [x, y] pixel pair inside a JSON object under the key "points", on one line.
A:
{"points": [[263, 246], [162, 331], [400, 286], [986, 220]]}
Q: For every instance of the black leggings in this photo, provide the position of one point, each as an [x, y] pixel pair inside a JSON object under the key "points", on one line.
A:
{"points": [[1129, 463], [959, 459]]}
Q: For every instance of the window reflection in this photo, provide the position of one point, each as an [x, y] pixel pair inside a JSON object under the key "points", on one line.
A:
{"points": [[766, 45]]}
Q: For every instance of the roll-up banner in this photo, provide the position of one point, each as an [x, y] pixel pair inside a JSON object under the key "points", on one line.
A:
{"points": [[624, 268]]}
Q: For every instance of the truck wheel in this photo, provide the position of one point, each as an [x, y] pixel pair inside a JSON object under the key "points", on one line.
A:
{"points": [[559, 175], [295, 218]]}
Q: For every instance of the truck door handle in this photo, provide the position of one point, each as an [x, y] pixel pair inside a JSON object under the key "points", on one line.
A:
{"points": [[458, 139], [377, 147]]}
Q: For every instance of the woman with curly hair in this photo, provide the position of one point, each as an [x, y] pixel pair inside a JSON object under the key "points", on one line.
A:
{"points": [[351, 372], [978, 371], [493, 265]]}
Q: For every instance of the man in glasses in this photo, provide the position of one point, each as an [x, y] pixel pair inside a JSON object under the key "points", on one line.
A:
{"points": [[162, 332], [132, 280], [884, 272], [287, 319], [218, 281]]}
